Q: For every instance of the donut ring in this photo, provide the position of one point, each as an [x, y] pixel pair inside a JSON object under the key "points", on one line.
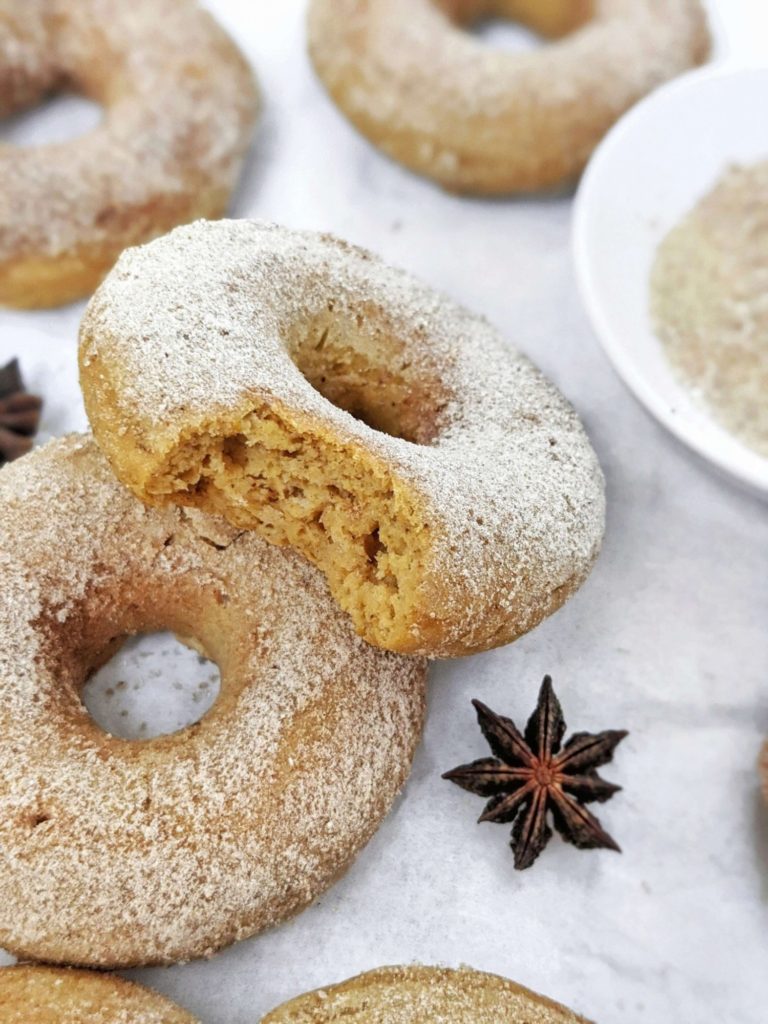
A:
{"points": [[180, 103], [413, 995], [47, 995], [452, 507], [480, 120], [166, 849]]}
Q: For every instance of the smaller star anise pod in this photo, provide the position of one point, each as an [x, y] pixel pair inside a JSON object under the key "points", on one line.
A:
{"points": [[532, 777], [19, 414]]}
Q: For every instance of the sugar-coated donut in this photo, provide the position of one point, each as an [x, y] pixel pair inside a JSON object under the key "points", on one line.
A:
{"points": [[179, 106], [477, 119], [116, 853], [300, 387], [415, 995], [49, 995]]}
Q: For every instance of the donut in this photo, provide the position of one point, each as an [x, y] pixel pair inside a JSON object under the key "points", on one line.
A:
{"points": [[414, 995], [179, 106], [49, 995], [115, 853], [299, 387], [475, 119]]}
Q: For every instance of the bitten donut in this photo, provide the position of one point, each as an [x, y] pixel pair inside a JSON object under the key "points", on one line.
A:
{"points": [[302, 388], [179, 106], [410, 77], [46, 995], [415, 995], [115, 852]]}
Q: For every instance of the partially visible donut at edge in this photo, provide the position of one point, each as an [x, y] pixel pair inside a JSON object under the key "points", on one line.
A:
{"points": [[478, 119], [180, 103], [300, 387], [50, 995], [416, 995]]}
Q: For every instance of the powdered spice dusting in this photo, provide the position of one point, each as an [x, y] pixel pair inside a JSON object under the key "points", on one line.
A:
{"points": [[199, 327]]}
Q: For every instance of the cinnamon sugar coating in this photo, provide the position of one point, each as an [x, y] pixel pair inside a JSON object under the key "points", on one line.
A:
{"points": [[415, 995], [48, 995], [117, 853], [478, 119], [302, 388], [179, 106], [709, 302]]}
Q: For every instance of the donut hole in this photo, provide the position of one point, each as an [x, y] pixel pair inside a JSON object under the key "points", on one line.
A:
{"points": [[368, 371], [500, 34], [59, 118], [518, 24], [153, 685]]}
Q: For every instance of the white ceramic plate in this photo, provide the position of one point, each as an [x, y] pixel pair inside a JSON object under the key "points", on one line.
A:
{"points": [[652, 168]]}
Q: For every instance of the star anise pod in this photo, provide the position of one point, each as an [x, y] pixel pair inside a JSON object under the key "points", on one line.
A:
{"points": [[532, 776], [19, 414]]}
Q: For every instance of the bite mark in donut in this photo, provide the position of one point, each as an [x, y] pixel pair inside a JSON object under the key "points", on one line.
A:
{"points": [[353, 519]]}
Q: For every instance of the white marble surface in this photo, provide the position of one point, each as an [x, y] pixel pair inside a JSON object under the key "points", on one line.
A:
{"points": [[667, 638]]}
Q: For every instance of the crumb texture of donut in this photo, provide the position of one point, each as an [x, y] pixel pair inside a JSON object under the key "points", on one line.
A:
{"points": [[301, 388], [414, 995], [299, 484], [179, 103], [169, 848], [47, 995], [350, 518], [476, 119]]}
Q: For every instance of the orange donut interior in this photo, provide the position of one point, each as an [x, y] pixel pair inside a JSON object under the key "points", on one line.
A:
{"points": [[548, 18], [301, 486]]}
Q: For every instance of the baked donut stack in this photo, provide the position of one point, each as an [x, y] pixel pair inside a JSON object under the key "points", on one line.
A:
{"points": [[315, 470], [271, 399]]}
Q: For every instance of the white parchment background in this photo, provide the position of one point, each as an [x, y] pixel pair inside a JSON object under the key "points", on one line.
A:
{"points": [[668, 637]]}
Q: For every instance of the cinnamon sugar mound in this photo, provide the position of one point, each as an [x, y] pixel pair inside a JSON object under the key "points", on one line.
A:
{"points": [[116, 853], [709, 300]]}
